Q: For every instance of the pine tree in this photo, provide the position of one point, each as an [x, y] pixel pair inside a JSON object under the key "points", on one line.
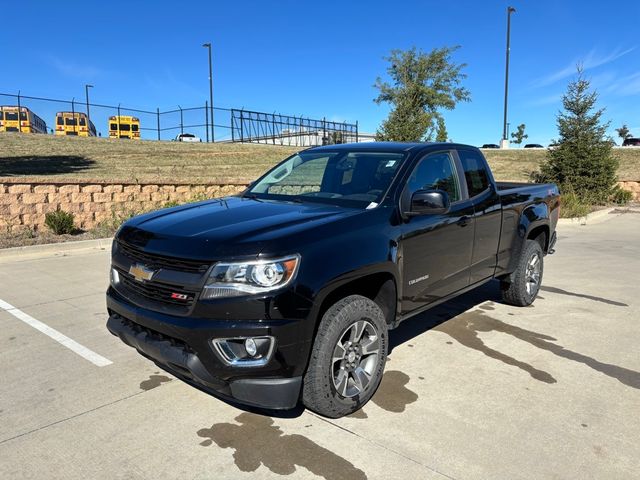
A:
{"points": [[441, 133], [583, 159], [422, 84]]}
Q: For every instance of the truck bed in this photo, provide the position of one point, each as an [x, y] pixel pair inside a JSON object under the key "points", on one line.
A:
{"points": [[506, 187]]}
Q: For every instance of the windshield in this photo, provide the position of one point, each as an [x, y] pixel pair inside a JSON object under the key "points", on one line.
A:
{"points": [[348, 178]]}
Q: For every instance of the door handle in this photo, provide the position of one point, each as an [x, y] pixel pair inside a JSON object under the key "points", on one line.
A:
{"points": [[463, 222]]}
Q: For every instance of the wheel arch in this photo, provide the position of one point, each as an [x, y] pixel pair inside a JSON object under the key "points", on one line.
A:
{"points": [[379, 286]]}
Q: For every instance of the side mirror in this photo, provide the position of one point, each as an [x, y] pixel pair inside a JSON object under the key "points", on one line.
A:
{"points": [[424, 202]]}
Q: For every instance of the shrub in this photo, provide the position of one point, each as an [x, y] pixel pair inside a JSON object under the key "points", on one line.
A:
{"points": [[572, 205], [621, 196], [60, 222], [199, 197]]}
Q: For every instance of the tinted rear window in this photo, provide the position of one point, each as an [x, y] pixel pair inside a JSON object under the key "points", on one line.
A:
{"points": [[125, 127], [11, 116], [475, 172], [70, 121]]}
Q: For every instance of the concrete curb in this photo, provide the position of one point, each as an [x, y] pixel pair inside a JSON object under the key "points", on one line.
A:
{"points": [[594, 217], [55, 249]]}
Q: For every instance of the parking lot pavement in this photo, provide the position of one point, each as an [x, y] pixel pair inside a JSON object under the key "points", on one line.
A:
{"points": [[473, 389]]}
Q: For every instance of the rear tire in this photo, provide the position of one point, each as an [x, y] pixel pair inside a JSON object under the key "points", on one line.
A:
{"points": [[524, 283], [347, 359]]}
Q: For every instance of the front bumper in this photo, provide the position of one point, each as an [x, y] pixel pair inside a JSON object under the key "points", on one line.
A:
{"points": [[182, 345]]}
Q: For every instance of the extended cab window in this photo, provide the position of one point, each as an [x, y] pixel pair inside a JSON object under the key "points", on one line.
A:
{"points": [[475, 172], [436, 172]]}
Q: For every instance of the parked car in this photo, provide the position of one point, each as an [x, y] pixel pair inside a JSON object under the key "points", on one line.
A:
{"points": [[288, 291], [631, 142], [187, 137], [490, 145], [533, 145]]}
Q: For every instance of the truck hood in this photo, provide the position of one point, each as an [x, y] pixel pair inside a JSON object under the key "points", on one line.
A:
{"points": [[226, 228]]}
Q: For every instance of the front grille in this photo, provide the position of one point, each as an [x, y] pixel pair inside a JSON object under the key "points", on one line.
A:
{"points": [[157, 292], [159, 261]]}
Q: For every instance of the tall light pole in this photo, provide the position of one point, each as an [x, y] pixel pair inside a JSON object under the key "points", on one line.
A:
{"points": [[505, 141], [208, 45], [86, 96]]}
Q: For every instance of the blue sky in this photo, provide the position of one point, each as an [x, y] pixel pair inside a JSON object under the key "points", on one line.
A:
{"points": [[321, 59]]}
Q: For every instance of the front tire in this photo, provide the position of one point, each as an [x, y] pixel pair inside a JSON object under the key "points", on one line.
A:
{"points": [[524, 284], [347, 359]]}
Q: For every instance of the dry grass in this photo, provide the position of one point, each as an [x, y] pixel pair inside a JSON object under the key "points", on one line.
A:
{"points": [[62, 158], [517, 164]]}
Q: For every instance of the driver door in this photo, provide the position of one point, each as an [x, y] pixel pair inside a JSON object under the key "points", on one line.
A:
{"points": [[436, 248]]}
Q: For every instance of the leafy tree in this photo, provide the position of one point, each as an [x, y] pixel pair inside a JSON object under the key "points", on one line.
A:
{"points": [[421, 85], [519, 136], [583, 159], [623, 132], [441, 133]]}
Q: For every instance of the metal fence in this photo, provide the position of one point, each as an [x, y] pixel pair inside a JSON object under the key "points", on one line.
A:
{"points": [[276, 129], [229, 124]]}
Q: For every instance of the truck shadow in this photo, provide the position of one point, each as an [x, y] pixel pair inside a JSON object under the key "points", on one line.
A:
{"points": [[426, 321], [43, 165], [463, 323]]}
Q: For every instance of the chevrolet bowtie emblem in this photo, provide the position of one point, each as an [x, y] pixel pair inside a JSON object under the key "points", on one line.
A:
{"points": [[141, 272]]}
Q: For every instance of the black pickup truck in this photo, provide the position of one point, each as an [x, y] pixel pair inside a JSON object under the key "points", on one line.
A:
{"points": [[286, 292]]}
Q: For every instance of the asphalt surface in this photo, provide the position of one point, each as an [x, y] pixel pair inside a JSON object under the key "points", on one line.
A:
{"points": [[474, 389]]}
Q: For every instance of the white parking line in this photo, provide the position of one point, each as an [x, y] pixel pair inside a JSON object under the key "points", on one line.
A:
{"points": [[72, 345]]}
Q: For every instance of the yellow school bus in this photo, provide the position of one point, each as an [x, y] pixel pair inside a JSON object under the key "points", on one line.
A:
{"points": [[74, 123], [28, 122], [124, 126]]}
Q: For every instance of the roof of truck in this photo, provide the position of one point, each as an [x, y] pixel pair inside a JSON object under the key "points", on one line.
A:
{"points": [[390, 146]]}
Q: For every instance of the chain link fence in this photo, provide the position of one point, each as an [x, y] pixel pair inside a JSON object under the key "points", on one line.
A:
{"points": [[227, 125]]}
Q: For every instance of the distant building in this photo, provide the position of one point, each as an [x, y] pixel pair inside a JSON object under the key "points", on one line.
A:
{"points": [[302, 137]]}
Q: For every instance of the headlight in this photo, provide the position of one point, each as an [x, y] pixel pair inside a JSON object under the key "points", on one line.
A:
{"points": [[249, 278]]}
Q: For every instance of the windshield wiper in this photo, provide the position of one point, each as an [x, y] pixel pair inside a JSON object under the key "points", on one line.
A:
{"points": [[252, 196]]}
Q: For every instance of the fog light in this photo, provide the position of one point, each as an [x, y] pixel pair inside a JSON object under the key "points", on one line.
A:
{"points": [[244, 351], [250, 347]]}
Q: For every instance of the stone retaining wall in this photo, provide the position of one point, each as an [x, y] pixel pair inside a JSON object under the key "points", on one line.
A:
{"points": [[24, 204]]}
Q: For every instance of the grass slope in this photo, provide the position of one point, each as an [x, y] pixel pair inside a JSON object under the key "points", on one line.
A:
{"points": [[72, 158], [62, 158]]}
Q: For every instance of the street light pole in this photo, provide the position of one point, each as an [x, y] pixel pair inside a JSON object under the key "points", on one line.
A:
{"points": [[208, 45], [86, 94], [505, 141]]}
